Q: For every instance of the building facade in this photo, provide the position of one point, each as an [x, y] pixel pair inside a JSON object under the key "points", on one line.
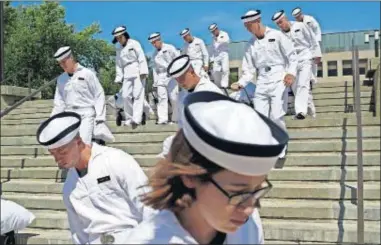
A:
{"points": [[336, 64]]}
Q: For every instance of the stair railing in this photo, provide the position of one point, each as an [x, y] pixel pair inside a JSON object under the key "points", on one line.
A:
{"points": [[26, 98], [360, 178]]}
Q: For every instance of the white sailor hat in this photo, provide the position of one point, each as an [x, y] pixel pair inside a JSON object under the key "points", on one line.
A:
{"points": [[232, 134], [212, 27], [62, 53], [59, 130], [184, 32], [154, 36], [251, 16], [296, 11], [178, 66], [278, 15], [119, 31]]}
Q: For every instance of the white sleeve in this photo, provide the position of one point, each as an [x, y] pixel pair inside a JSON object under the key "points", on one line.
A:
{"points": [[248, 67], [78, 234], [59, 103], [174, 52], [118, 69], [99, 97], [143, 66], [288, 49], [205, 53], [310, 36], [132, 179], [316, 28], [226, 38]]}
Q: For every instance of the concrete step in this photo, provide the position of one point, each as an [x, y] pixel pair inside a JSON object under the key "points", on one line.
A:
{"points": [[320, 100], [335, 102], [271, 209], [155, 148], [282, 189], [335, 108], [321, 107], [111, 119], [43, 236], [275, 230], [151, 127], [295, 134], [319, 231], [119, 138], [343, 89], [371, 173], [293, 159]]}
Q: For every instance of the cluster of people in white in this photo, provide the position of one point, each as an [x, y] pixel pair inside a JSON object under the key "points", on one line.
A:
{"points": [[223, 149]]}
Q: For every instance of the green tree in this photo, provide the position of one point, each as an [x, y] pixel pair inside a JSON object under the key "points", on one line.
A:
{"points": [[33, 33]]}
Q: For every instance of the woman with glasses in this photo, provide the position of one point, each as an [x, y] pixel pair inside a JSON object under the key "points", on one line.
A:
{"points": [[209, 185]]}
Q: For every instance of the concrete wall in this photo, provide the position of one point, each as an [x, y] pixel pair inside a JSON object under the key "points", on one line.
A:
{"points": [[372, 63]]}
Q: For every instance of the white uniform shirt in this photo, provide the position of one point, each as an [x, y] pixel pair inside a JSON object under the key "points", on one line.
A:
{"points": [[161, 59], [314, 25], [130, 61], [305, 43], [203, 85], [164, 228], [106, 199], [196, 51], [220, 44], [82, 90], [274, 50]]}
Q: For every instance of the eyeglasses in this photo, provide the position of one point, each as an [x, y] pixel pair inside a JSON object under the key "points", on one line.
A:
{"points": [[241, 198]]}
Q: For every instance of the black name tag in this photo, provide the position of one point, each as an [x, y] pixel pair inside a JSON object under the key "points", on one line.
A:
{"points": [[131, 49], [103, 179], [165, 51], [81, 78], [271, 40], [297, 30]]}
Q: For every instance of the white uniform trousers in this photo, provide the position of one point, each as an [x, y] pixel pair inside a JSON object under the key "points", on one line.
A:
{"points": [[164, 92], [311, 110], [301, 87], [221, 70], [86, 128], [133, 97], [270, 99]]}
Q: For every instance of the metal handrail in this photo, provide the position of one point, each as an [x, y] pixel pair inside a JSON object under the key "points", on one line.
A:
{"points": [[28, 97], [376, 93], [360, 177]]}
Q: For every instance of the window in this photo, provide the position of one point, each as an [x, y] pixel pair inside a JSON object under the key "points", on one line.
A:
{"points": [[332, 68], [363, 63], [233, 77], [347, 67], [320, 70]]}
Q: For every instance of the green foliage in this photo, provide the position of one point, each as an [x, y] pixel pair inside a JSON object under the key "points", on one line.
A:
{"points": [[33, 33]]}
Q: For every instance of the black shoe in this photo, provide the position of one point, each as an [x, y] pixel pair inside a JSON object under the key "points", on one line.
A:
{"points": [[9, 238], [144, 119], [118, 119], [300, 116]]}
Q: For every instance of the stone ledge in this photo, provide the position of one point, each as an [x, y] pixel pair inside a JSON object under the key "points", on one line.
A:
{"points": [[12, 94], [17, 91]]}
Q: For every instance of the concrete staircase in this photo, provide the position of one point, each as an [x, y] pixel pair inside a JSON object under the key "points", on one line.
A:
{"points": [[314, 195]]}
